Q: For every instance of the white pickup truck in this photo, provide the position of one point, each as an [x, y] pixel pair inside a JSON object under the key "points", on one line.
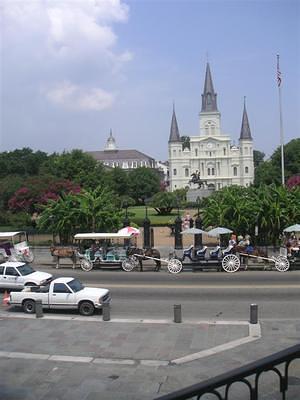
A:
{"points": [[61, 293], [16, 275]]}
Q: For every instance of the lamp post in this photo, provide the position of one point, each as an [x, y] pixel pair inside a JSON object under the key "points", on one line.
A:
{"points": [[198, 224], [178, 236], [146, 226]]}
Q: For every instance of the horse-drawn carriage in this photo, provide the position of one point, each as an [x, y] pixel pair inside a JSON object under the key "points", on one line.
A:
{"points": [[215, 258], [232, 258], [14, 247]]}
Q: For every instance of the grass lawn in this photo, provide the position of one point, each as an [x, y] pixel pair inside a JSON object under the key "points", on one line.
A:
{"points": [[137, 215]]}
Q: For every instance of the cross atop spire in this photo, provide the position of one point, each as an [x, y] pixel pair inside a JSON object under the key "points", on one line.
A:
{"points": [[245, 129], [174, 131], [209, 97]]}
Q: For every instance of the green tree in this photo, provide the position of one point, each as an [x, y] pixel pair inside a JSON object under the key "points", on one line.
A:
{"points": [[86, 211], [163, 202], [269, 171], [21, 162], [99, 210], [258, 157], [143, 183], [76, 166], [117, 180]]}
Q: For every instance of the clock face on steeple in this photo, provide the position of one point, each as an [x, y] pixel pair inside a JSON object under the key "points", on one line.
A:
{"points": [[209, 145]]}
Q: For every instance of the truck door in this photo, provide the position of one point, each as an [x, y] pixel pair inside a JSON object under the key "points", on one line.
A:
{"points": [[11, 278], [62, 297]]}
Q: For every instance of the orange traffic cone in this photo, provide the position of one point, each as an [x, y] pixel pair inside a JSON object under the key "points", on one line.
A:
{"points": [[5, 298]]}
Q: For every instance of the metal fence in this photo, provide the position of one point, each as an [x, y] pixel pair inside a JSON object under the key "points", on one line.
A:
{"points": [[250, 375]]}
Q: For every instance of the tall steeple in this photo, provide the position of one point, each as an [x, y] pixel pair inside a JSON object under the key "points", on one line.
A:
{"points": [[174, 131], [209, 97], [245, 129]]}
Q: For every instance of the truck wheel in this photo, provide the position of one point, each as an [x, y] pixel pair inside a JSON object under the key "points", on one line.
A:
{"points": [[86, 308], [29, 306]]}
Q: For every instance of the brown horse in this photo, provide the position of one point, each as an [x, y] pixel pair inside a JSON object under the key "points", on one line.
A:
{"points": [[58, 252], [144, 253]]}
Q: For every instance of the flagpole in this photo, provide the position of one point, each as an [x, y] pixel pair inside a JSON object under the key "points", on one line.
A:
{"points": [[281, 122]]}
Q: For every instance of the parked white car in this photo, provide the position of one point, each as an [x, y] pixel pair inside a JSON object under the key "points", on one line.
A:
{"points": [[16, 275], [62, 293]]}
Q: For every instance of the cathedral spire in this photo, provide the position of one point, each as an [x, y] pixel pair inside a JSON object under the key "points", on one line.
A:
{"points": [[209, 97], [174, 131], [245, 129]]}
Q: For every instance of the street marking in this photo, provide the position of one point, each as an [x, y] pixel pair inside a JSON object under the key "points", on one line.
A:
{"points": [[202, 286], [254, 334]]}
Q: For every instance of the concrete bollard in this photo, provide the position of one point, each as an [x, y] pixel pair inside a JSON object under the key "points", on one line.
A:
{"points": [[253, 313], [177, 313], [38, 309], [106, 312]]}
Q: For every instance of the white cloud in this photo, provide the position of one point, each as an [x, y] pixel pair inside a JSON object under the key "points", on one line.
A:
{"points": [[78, 98], [69, 41]]}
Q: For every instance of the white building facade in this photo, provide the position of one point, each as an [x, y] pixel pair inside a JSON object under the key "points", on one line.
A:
{"points": [[210, 153]]}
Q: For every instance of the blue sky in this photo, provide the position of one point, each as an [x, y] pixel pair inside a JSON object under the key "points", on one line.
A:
{"points": [[72, 70]]}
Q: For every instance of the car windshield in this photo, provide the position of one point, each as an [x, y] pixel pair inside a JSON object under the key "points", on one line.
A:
{"points": [[25, 269], [75, 285]]}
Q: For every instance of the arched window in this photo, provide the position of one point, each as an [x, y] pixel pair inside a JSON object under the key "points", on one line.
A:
{"points": [[224, 151], [246, 170], [208, 171], [174, 171], [234, 171], [196, 152], [212, 171], [186, 172], [174, 153]]}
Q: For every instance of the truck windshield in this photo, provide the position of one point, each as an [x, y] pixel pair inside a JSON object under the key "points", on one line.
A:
{"points": [[75, 285], [25, 269]]}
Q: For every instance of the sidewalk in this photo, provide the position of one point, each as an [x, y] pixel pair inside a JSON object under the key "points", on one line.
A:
{"points": [[72, 357]]}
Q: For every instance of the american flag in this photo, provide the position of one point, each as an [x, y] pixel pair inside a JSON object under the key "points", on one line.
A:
{"points": [[278, 72]]}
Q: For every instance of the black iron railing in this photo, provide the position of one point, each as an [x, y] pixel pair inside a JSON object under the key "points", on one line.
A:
{"points": [[250, 375]]}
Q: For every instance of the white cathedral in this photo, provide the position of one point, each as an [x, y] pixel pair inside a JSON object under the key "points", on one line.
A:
{"points": [[211, 153]]}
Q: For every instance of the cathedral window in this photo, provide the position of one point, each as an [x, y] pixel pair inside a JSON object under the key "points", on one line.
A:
{"points": [[208, 171], [234, 171], [224, 151], [174, 153], [196, 152], [186, 172], [246, 170], [212, 171], [174, 171]]}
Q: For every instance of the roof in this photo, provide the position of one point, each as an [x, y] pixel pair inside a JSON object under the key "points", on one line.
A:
{"points": [[174, 131], [12, 264], [119, 155], [63, 279], [9, 235], [209, 97], [245, 129], [103, 235]]}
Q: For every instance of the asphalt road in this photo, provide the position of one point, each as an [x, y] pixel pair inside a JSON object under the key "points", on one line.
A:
{"points": [[202, 295]]}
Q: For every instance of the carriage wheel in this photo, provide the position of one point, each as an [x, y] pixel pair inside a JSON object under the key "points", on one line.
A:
{"points": [[282, 264], [231, 263], [85, 264], [129, 264], [174, 266]]}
